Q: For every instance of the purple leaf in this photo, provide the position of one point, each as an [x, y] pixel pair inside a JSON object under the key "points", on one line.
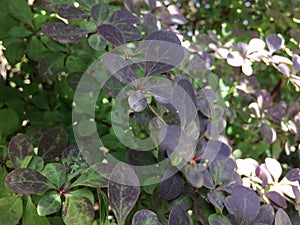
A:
{"points": [[264, 174], [245, 205], [293, 174], [217, 199], [284, 69], [112, 33], [140, 158], [119, 68], [230, 184], [149, 23], [218, 219], [266, 215], [137, 101], [268, 134], [163, 52], [274, 42], [130, 32], [222, 170], [145, 217], [100, 12], [27, 181], [282, 218], [292, 109], [278, 111], [72, 13], [52, 143], [176, 141], [124, 194], [64, 33], [195, 176], [123, 17], [178, 216], [296, 63], [277, 199], [264, 99], [201, 62], [215, 150], [19, 148], [171, 187]]}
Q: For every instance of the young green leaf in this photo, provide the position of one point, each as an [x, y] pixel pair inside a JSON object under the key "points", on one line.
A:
{"points": [[50, 203], [218, 219], [56, 174]]}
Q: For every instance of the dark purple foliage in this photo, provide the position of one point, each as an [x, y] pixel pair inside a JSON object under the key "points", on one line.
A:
{"points": [[64, 33], [171, 187], [72, 13], [19, 148], [178, 216], [112, 33], [52, 143], [100, 12], [27, 181]]}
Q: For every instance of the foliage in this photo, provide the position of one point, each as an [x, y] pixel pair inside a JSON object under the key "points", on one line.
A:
{"points": [[214, 86]]}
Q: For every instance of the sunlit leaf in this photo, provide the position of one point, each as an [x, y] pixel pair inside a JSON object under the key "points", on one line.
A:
{"points": [[49, 203]]}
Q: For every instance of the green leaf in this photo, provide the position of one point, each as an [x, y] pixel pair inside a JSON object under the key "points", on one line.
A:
{"points": [[20, 10], [78, 210], [50, 203], [30, 215], [218, 219], [9, 121], [36, 163], [51, 64], [6, 22], [56, 174], [73, 161], [4, 191], [84, 192], [97, 42], [35, 49], [94, 176], [27, 181], [19, 32], [145, 217], [11, 209]]}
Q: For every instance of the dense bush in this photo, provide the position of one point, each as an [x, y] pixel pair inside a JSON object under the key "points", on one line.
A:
{"points": [[150, 112]]}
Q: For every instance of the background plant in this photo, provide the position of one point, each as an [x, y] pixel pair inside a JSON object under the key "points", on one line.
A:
{"points": [[45, 179]]}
